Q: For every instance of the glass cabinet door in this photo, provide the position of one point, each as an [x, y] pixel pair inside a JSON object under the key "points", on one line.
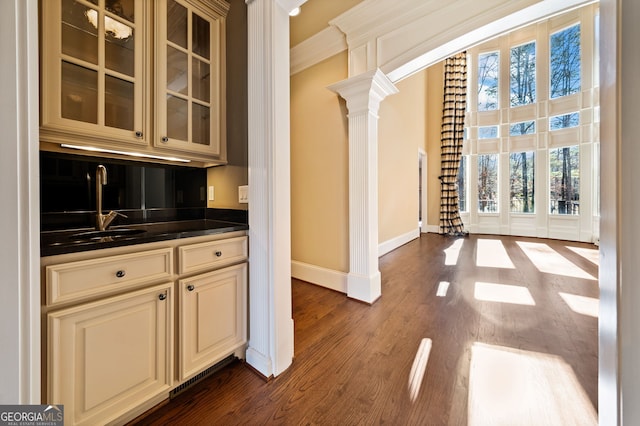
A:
{"points": [[189, 72], [92, 66]]}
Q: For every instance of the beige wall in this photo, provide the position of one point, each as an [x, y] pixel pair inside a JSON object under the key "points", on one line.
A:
{"points": [[435, 88], [315, 16], [319, 167], [401, 133], [226, 179]]}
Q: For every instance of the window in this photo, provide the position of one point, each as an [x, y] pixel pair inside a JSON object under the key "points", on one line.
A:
{"points": [[522, 128], [523, 74], [564, 172], [488, 72], [488, 132], [565, 62], [564, 121], [488, 183], [462, 184], [522, 178]]}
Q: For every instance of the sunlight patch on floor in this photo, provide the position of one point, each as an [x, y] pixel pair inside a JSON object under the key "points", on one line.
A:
{"points": [[592, 255], [549, 261], [516, 387], [418, 368], [581, 304], [503, 293], [443, 287], [492, 254], [452, 253]]}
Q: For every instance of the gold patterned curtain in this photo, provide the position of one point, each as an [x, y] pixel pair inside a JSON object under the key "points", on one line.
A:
{"points": [[451, 139]]}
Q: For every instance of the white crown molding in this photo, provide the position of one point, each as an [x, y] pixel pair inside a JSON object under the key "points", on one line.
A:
{"points": [[317, 48]]}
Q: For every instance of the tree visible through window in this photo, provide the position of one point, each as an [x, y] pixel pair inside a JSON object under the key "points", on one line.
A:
{"points": [[462, 184], [488, 183], [522, 182], [523, 74], [564, 172], [565, 62], [488, 72]]}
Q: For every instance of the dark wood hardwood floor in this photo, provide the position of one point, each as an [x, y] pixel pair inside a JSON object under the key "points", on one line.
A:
{"points": [[512, 324]]}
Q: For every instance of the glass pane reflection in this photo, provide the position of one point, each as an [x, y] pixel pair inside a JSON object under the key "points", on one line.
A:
{"points": [[201, 36], [79, 93], [177, 23], [177, 77], [119, 103], [200, 80], [177, 113], [79, 36], [201, 124]]}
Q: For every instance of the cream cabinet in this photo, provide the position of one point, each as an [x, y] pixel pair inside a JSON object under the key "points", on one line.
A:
{"points": [[212, 318], [189, 77], [123, 326], [94, 88], [135, 76], [108, 357]]}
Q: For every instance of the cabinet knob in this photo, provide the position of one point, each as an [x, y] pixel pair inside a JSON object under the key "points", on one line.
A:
{"points": [[190, 287], [218, 253], [120, 273], [165, 139], [139, 134], [162, 296]]}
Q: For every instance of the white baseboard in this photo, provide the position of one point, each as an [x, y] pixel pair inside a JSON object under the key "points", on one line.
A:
{"points": [[394, 243], [432, 229], [334, 280]]}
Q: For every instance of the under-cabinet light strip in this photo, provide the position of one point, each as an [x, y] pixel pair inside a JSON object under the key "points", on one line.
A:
{"points": [[130, 154]]}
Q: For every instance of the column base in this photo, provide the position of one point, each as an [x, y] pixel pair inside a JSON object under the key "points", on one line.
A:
{"points": [[259, 362], [367, 289]]}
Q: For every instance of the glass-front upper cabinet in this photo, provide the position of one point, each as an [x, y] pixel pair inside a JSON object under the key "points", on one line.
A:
{"points": [[93, 90], [190, 76]]}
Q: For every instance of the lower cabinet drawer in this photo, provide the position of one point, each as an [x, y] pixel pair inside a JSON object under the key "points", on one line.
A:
{"points": [[74, 281], [212, 254]]}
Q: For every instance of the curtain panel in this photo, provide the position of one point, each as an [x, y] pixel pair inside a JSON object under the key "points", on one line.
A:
{"points": [[451, 140]]}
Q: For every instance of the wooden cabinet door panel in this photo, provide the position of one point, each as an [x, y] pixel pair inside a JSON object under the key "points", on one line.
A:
{"points": [[106, 358]]}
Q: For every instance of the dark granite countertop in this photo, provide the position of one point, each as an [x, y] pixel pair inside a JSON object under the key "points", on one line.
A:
{"points": [[83, 239]]}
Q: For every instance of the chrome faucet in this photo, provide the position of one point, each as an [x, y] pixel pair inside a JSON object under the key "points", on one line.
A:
{"points": [[103, 220]]}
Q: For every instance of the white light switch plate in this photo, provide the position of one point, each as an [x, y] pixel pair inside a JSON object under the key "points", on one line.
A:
{"points": [[243, 194], [211, 193]]}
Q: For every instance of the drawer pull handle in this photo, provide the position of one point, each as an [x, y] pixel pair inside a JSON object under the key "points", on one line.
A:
{"points": [[190, 287], [162, 296], [139, 134], [120, 274], [165, 139], [218, 253]]}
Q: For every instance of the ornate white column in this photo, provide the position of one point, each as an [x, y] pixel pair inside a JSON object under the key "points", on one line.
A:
{"points": [[363, 94], [270, 319]]}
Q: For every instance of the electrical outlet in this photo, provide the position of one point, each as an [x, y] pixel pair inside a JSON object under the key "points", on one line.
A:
{"points": [[243, 194], [211, 194]]}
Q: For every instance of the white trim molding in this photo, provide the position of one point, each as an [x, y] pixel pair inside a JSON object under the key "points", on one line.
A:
{"points": [[400, 240], [323, 45], [20, 226], [328, 278]]}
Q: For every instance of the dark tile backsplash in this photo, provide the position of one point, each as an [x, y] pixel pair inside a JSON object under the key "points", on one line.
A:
{"points": [[144, 192]]}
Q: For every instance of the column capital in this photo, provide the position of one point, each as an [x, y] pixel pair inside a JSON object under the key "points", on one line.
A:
{"points": [[287, 5], [365, 91]]}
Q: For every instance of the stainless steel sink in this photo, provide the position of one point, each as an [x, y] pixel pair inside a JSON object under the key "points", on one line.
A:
{"points": [[108, 233]]}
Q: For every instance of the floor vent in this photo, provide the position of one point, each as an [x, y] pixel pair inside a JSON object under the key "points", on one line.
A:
{"points": [[200, 376]]}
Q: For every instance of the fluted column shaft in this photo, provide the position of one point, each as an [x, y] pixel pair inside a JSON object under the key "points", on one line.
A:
{"points": [[363, 94]]}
